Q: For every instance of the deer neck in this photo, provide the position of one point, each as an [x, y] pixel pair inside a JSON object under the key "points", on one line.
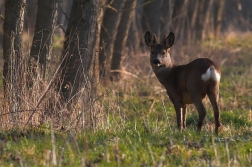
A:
{"points": [[163, 72]]}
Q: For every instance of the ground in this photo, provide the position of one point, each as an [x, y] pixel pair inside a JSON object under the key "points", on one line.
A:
{"points": [[139, 126]]}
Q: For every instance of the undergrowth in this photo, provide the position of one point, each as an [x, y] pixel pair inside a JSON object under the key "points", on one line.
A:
{"points": [[155, 142], [138, 126]]}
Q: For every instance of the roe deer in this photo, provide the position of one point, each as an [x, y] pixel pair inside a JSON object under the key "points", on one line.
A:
{"points": [[185, 84]]}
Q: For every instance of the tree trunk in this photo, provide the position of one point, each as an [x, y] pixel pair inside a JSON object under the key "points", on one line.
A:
{"points": [[194, 10], [111, 22], [63, 16], [219, 16], [200, 19], [30, 12], [207, 23], [95, 69], [133, 40], [12, 53], [121, 38], [151, 17], [79, 46], [43, 36], [166, 17], [179, 19], [177, 13]]}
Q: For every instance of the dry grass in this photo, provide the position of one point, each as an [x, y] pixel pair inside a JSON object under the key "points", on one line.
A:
{"points": [[41, 102]]}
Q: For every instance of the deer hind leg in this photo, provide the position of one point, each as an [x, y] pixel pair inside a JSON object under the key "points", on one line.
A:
{"points": [[184, 116], [201, 110], [213, 95]]}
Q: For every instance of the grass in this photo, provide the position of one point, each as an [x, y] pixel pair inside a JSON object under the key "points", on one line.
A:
{"points": [[130, 143], [136, 133], [139, 127]]}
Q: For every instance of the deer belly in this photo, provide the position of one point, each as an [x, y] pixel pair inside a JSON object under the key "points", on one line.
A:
{"points": [[186, 99]]}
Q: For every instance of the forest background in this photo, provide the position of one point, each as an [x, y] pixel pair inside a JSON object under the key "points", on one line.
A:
{"points": [[76, 75]]}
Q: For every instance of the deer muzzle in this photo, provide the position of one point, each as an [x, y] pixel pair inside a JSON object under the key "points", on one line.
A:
{"points": [[156, 62]]}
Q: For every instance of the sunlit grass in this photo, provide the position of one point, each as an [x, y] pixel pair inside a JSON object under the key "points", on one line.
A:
{"points": [[140, 124], [131, 143]]}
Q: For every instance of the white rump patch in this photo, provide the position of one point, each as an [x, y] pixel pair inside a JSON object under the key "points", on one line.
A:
{"points": [[207, 75], [211, 73]]}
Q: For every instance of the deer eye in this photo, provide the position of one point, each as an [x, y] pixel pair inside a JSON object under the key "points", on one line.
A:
{"points": [[163, 53], [152, 52]]}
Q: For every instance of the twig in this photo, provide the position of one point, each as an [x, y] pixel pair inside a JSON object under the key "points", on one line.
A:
{"points": [[112, 8], [166, 113], [124, 10], [151, 153], [1, 16], [106, 31], [215, 152], [60, 26], [125, 72], [19, 111], [227, 150], [46, 90], [54, 159], [64, 12], [101, 95], [139, 6]]}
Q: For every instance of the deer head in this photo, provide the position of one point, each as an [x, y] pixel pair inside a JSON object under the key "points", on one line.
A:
{"points": [[160, 53]]}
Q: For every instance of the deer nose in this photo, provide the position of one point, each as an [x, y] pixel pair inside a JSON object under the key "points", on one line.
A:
{"points": [[156, 62]]}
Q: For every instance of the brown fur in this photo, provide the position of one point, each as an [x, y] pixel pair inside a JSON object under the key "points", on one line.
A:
{"points": [[184, 83]]}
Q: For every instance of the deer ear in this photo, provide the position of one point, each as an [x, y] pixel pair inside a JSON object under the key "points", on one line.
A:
{"points": [[169, 41], [150, 40]]}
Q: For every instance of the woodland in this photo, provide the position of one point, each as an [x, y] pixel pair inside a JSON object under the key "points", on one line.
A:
{"points": [[77, 87]]}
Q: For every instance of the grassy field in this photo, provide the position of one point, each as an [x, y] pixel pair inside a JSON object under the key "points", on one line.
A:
{"points": [[139, 127]]}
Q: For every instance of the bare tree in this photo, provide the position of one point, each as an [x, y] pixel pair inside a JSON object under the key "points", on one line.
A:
{"points": [[133, 40], [201, 18], [30, 12], [12, 53], [190, 19], [63, 16], [219, 16], [151, 16], [43, 36], [207, 28], [79, 46], [109, 28], [165, 17], [121, 38], [95, 71], [179, 16]]}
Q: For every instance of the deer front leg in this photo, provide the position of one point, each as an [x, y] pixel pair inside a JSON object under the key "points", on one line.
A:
{"points": [[178, 109], [184, 116]]}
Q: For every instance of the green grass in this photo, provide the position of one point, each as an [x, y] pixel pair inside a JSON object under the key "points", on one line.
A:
{"points": [[140, 126], [133, 143]]}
